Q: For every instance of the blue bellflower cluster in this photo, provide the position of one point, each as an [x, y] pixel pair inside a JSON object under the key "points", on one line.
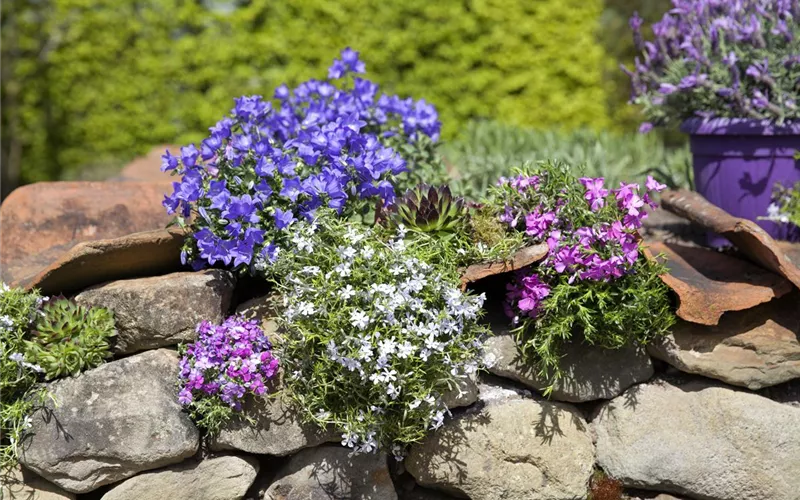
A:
{"points": [[719, 58], [322, 144]]}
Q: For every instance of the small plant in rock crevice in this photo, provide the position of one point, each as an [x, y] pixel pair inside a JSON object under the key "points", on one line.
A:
{"points": [[603, 487], [69, 338], [595, 285], [373, 335], [225, 364]]}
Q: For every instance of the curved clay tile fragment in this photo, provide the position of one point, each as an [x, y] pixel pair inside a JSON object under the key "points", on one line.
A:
{"points": [[523, 257]]}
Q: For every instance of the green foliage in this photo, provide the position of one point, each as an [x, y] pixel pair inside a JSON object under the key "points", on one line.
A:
{"points": [[785, 206], [68, 338], [87, 82], [488, 150], [633, 309], [18, 392]]}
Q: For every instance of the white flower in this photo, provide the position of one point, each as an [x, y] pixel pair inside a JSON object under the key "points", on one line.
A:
{"points": [[323, 415], [369, 445], [17, 357], [6, 322], [349, 439], [347, 252], [461, 251], [392, 391], [387, 347], [343, 269], [437, 419], [367, 252], [359, 319], [347, 292], [310, 270], [414, 404], [397, 270], [305, 308], [4, 288], [401, 231], [350, 363], [302, 243], [405, 349], [333, 350], [353, 236]]}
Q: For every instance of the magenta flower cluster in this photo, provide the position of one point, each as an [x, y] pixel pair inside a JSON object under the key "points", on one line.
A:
{"points": [[227, 362], [719, 58], [322, 144], [596, 242]]}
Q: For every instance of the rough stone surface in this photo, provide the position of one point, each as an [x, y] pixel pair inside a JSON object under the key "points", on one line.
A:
{"points": [[42, 221], [265, 310], [329, 472], [590, 373], [23, 484], [278, 430], [163, 310], [464, 394], [710, 283], [513, 447], [111, 423], [217, 478], [701, 440], [754, 349], [89, 263], [746, 235]]}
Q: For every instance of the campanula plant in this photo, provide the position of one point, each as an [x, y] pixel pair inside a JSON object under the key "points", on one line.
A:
{"points": [[225, 364], [719, 58], [336, 143], [595, 284]]}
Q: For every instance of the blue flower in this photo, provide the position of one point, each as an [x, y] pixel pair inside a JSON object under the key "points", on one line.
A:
{"points": [[283, 219]]}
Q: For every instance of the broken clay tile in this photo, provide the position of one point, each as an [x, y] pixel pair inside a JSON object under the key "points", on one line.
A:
{"points": [[710, 283], [89, 263], [746, 235], [42, 221], [520, 259]]}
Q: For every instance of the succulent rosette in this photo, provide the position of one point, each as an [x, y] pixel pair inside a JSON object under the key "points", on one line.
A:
{"points": [[337, 143], [226, 363], [719, 58]]}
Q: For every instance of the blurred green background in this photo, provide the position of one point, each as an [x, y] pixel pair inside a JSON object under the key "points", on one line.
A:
{"points": [[89, 84]]}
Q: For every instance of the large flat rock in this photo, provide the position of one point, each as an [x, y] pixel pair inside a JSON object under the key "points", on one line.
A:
{"points": [[701, 440], [111, 423], [215, 478], [22, 484], [43, 221], [590, 372], [754, 349], [513, 447], [163, 310], [331, 472]]}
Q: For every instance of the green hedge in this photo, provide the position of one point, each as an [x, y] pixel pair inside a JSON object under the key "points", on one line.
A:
{"points": [[94, 81]]}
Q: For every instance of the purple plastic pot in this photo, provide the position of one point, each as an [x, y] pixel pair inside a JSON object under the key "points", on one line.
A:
{"points": [[737, 163]]}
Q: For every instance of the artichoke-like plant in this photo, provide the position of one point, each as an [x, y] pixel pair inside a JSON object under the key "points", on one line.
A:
{"points": [[68, 338], [430, 209]]}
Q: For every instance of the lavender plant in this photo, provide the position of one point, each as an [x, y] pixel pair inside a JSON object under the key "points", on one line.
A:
{"points": [[225, 364], [336, 143], [373, 334], [719, 58], [595, 283]]}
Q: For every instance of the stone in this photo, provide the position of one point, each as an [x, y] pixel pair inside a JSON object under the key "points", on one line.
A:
{"points": [[89, 263], [710, 283], [463, 394], [746, 235], [110, 423], [42, 221], [164, 310], [701, 440], [25, 485], [422, 494], [278, 429], [148, 167], [754, 349], [329, 472], [512, 447], [590, 372], [215, 478], [522, 258], [265, 311]]}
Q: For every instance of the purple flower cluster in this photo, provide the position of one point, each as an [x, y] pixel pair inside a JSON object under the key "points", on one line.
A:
{"points": [[719, 58], [226, 362], [318, 145], [595, 241]]}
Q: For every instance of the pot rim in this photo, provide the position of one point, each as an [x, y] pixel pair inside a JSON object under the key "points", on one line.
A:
{"points": [[738, 126]]}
